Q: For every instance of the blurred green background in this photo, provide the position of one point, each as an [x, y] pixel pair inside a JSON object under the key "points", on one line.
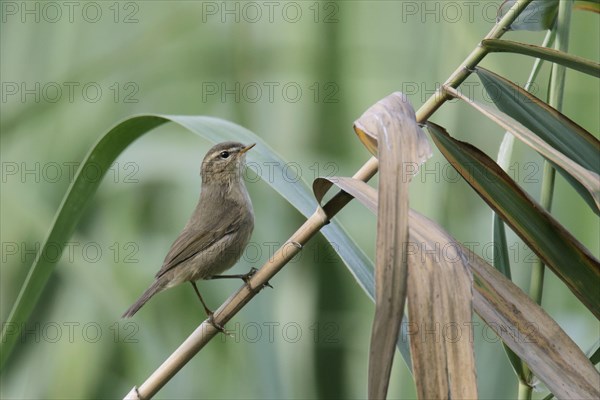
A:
{"points": [[297, 74]]}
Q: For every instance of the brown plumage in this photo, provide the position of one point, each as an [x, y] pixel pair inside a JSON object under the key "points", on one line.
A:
{"points": [[218, 230]]}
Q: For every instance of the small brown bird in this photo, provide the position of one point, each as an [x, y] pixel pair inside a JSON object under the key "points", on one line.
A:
{"points": [[218, 230]]}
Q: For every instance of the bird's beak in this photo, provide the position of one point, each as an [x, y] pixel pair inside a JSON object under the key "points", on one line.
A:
{"points": [[245, 149]]}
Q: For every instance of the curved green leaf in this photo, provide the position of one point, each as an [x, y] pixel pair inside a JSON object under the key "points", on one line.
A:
{"points": [[586, 182], [570, 61], [66, 219], [102, 155], [552, 127], [569, 260]]}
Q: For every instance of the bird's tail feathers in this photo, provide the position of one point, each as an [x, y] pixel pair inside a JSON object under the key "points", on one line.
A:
{"points": [[156, 287]]}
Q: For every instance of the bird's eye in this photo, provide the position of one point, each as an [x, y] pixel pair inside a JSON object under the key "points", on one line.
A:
{"points": [[224, 154]]}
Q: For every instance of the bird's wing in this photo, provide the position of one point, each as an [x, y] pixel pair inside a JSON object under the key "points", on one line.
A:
{"points": [[194, 240]]}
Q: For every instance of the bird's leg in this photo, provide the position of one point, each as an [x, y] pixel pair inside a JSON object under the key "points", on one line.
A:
{"points": [[206, 309], [208, 312], [245, 277]]}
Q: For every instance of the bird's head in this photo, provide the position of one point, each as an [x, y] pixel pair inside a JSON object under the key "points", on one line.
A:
{"points": [[224, 162]]}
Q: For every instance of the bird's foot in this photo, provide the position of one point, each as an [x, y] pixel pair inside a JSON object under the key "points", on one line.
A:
{"points": [[246, 278]]}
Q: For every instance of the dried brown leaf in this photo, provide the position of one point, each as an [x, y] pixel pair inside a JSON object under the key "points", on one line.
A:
{"points": [[521, 323], [401, 147]]}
